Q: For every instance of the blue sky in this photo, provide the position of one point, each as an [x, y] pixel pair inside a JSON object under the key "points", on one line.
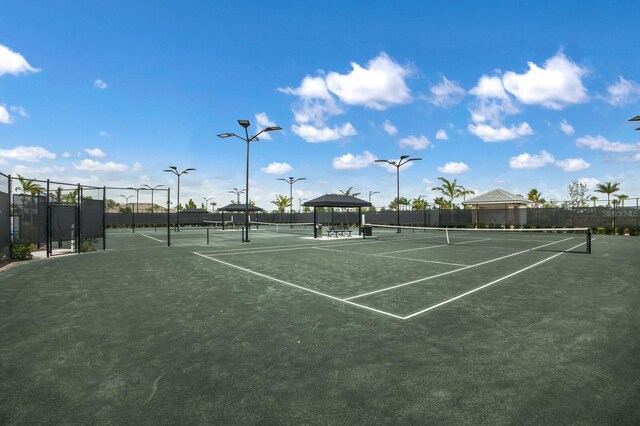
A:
{"points": [[494, 94]]}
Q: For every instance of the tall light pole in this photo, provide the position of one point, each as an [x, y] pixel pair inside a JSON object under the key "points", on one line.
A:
{"points": [[237, 192], [206, 202], [152, 189], [247, 139], [174, 170], [404, 159], [291, 181], [371, 193], [126, 200]]}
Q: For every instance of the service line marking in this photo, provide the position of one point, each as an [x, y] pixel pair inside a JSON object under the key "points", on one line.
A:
{"points": [[299, 287], [152, 238]]}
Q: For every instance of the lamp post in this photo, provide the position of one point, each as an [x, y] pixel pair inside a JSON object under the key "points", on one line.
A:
{"points": [[237, 192], [291, 181], [404, 159], [174, 170], [245, 124], [206, 202], [152, 189], [126, 200], [371, 193]]}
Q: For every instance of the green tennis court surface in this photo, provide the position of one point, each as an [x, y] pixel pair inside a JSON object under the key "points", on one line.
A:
{"points": [[291, 330]]}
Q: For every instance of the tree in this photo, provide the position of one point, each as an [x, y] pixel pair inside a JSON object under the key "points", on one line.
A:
{"points": [[442, 203], [111, 204], [621, 198], [594, 199], [463, 192], [448, 189], [402, 201], [29, 186], [419, 203], [577, 194], [349, 193], [191, 204], [608, 188], [281, 202], [536, 198]]}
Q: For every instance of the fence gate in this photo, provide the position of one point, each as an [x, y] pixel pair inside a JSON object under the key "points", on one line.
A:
{"points": [[63, 228]]}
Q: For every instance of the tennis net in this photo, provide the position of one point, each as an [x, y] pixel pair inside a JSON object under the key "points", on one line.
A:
{"points": [[546, 239], [302, 228]]}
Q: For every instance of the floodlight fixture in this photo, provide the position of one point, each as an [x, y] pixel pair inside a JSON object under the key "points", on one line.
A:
{"points": [[291, 181], [404, 159], [174, 170], [245, 124]]}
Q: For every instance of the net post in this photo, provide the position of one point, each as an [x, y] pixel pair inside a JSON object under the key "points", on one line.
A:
{"points": [[446, 232], [588, 240]]}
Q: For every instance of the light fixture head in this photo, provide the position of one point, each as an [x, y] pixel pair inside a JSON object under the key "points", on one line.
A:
{"points": [[272, 128], [226, 135], [244, 123], [636, 118]]}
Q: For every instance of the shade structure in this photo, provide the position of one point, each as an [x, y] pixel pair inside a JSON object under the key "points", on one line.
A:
{"points": [[239, 208], [336, 200]]}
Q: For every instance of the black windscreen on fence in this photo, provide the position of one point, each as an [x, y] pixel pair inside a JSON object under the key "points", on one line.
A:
{"points": [[5, 221], [63, 222], [92, 219], [30, 219]]}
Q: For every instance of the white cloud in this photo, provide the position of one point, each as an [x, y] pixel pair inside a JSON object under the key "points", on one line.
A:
{"points": [[442, 135], [572, 164], [323, 134], [137, 167], [413, 142], [31, 171], [99, 84], [14, 63], [96, 166], [5, 117], [566, 127], [262, 121], [489, 88], [310, 88], [66, 154], [499, 134], [601, 143], [447, 93], [389, 128], [95, 152], [352, 162], [631, 159], [276, 168], [103, 133], [623, 92], [378, 86], [27, 153], [528, 161], [19, 110], [555, 85], [453, 168], [591, 183]]}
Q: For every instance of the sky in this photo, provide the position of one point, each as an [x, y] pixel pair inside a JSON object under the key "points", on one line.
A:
{"points": [[494, 94]]}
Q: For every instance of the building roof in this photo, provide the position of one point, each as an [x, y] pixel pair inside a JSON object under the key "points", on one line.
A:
{"points": [[239, 208], [497, 196], [337, 200]]}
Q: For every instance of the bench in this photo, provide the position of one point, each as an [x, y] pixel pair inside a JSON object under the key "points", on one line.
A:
{"points": [[335, 231]]}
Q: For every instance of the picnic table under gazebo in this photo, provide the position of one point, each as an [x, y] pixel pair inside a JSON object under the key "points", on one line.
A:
{"points": [[340, 201]]}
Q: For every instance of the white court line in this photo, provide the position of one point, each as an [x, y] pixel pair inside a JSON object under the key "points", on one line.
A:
{"points": [[298, 286], [391, 257], [453, 271], [430, 247], [488, 284], [152, 238]]}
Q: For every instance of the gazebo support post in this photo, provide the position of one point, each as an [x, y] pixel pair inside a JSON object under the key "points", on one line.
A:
{"points": [[315, 223]]}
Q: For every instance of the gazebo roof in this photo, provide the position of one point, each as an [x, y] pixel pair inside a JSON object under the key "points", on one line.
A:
{"points": [[497, 196], [239, 208], [337, 200]]}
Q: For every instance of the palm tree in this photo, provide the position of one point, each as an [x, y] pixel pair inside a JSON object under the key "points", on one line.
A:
{"points": [[281, 202], [448, 189], [594, 199], [622, 197], [29, 186], [419, 203], [442, 203], [462, 191], [608, 188], [402, 202], [349, 193], [535, 197]]}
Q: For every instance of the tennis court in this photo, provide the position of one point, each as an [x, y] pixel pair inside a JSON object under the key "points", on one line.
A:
{"points": [[287, 329]]}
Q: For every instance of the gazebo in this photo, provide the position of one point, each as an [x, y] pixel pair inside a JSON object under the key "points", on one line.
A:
{"points": [[238, 208], [499, 207], [336, 200]]}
